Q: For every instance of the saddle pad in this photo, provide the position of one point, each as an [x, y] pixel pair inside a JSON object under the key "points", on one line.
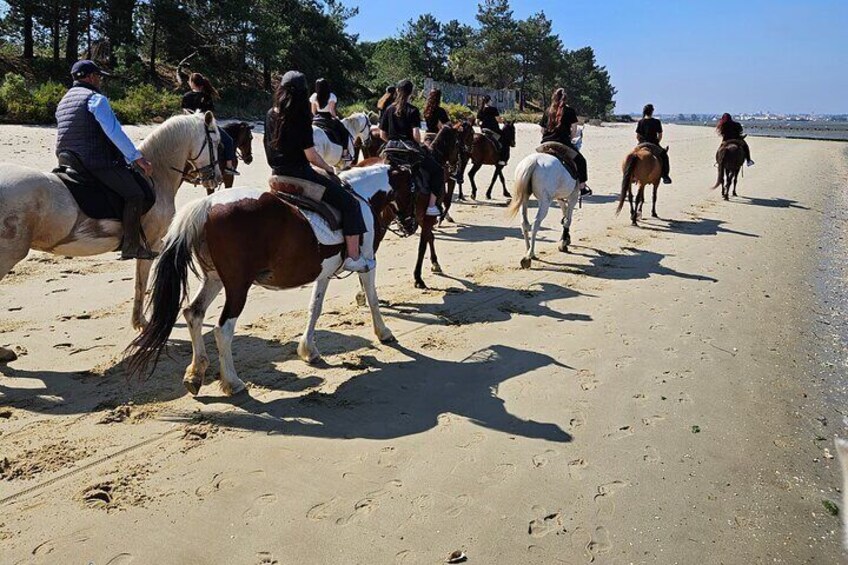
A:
{"points": [[323, 232], [96, 200], [562, 152], [328, 126], [330, 215]]}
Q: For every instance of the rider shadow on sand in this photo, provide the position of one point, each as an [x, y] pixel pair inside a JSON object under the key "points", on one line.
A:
{"points": [[700, 226], [463, 306], [770, 202], [81, 392], [402, 398], [634, 264]]}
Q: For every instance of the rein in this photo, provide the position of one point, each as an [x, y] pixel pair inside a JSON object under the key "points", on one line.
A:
{"points": [[204, 174]]}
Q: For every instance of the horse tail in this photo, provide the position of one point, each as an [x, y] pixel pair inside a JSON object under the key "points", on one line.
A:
{"points": [[629, 168], [720, 161], [170, 286], [522, 186]]}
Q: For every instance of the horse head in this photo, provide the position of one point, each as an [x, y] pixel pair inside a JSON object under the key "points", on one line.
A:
{"points": [[465, 134], [508, 133], [203, 154], [400, 178]]}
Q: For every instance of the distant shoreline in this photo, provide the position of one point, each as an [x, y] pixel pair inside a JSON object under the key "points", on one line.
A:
{"points": [[835, 131]]}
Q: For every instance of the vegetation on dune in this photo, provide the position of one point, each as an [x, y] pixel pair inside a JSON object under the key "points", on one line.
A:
{"points": [[243, 46]]}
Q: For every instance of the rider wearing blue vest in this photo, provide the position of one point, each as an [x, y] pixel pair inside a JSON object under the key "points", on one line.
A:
{"points": [[89, 130]]}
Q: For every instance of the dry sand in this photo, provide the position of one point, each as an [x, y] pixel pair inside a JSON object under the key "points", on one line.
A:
{"points": [[643, 399]]}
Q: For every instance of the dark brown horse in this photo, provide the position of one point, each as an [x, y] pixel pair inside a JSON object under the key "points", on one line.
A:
{"points": [[246, 236], [456, 169], [730, 157], [242, 134], [484, 152], [641, 167]]}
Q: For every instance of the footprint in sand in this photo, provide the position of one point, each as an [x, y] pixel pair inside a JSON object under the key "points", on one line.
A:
{"points": [[361, 510], [651, 455], [219, 482], [623, 362], [652, 420], [405, 556], [603, 499], [424, 502], [587, 380], [545, 524], [259, 505], [121, 559], [591, 544], [47, 547], [620, 433], [543, 459], [266, 558], [576, 468], [577, 420], [498, 474], [459, 505], [324, 510], [475, 439]]}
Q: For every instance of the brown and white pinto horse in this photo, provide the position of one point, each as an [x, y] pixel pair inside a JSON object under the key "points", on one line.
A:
{"points": [[484, 152], [246, 236], [641, 167], [242, 134], [730, 157]]}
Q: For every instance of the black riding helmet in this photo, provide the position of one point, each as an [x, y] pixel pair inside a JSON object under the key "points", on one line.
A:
{"points": [[295, 80], [405, 86]]}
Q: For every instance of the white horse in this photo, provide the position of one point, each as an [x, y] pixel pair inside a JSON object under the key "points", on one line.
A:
{"points": [[38, 212], [358, 126], [548, 180]]}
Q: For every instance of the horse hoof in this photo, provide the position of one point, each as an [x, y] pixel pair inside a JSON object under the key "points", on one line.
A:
{"points": [[563, 246], [232, 389], [488, 196], [449, 219], [140, 324], [193, 386], [421, 285], [526, 262], [388, 339], [360, 299], [436, 268], [7, 355]]}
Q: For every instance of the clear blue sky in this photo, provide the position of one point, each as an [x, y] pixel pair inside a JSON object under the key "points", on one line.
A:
{"points": [[683, 55]]}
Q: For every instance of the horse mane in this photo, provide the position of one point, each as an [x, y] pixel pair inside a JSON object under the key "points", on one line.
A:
{"points": [[160, 146], [445, 136]]}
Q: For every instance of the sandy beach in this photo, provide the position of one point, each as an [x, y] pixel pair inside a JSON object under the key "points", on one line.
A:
{"points": [[651, 397]]}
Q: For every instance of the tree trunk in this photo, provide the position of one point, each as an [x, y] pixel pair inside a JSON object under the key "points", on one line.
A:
{"points": [[29, 51], [72, 45], [54, 39], [266, 74], [153, 46], [88, 30]]}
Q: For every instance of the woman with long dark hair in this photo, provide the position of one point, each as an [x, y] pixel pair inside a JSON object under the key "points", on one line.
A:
{"points": [[400, 127], [386, 100], [323, 102], [201, 98], [435, 116], [291, 152], [561, 126], [729, 129]]}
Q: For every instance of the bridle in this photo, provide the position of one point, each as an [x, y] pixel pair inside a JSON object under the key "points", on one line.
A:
{"points": [[205, 174], [240, 153]]}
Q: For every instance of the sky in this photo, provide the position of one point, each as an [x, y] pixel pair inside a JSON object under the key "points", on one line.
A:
{"points": [[684, 56]]}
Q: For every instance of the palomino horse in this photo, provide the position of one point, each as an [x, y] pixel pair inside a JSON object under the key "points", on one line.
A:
{"points": [[547, 179], [246, 236], [456, 171], [730, 157], [242, 134], [38, 212], [642, 167], [357, 125], [483, 152]]}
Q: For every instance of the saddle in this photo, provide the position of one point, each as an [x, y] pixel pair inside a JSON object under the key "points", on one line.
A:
{"points": [[563, 152], [330, 127], [655, 149], [95, 199], [305, 196], [738, 141], [407, 156]]}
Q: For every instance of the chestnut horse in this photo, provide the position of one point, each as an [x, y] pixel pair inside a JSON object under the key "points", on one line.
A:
{"points": [[483, 152], [242, 134], [730, 157], [246, 236], [641, 167]]}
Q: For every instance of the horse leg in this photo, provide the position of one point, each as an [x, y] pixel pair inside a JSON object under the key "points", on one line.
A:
{"points": [[142, 279], [654, 203], [640, 201], [369, 285], [544, 206], [9, 257], [194, 314], [632, 207], [233, 306], [735, 180], [446, 202], [422, 247], [567, 215], [492, 184], [306, 349], [474, 168], [434, 261], [360, 296], [503, 183]]}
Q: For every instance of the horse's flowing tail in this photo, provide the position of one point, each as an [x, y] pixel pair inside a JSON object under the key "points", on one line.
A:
{"points": [[522, 186], [170, 286], [629, 167], [720, 160]]}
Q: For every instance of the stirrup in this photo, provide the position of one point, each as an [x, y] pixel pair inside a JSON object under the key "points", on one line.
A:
{"points": [[231, 171]]}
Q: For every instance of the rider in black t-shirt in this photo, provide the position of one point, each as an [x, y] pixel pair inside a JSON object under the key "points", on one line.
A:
{"points": [[434, 115], [201, 98], [291, 152], [729, 130], [649, 130], [400, 127], [560, 126], [489, 118]]}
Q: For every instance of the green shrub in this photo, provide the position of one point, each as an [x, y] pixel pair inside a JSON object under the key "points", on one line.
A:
{"points": [[517, 116], [143, 103], [353, 108], [457, 112], [45, 99], [15, 98]]}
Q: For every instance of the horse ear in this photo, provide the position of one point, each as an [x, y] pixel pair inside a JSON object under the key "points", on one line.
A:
{"points": [[208, 118]]}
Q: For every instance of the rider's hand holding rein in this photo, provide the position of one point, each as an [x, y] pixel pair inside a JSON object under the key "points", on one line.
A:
{"points": [[145, 166]]}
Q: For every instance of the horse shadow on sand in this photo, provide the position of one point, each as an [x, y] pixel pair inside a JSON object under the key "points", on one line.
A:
{"points": [[699, 226], [633, 264], [769, 202], [468, 305], [400, 398]]}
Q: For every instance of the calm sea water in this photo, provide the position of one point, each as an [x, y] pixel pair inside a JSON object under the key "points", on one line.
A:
{"points": [[832, 131]]}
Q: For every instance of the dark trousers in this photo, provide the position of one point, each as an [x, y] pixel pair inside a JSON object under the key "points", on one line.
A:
{"points": [[435, 174], [335, 195], [335, 124], [126, 182], [228, 146]]}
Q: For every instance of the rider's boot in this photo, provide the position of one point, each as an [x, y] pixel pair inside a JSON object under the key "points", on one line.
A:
{"points": [[132, 246], [750, 162]]}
